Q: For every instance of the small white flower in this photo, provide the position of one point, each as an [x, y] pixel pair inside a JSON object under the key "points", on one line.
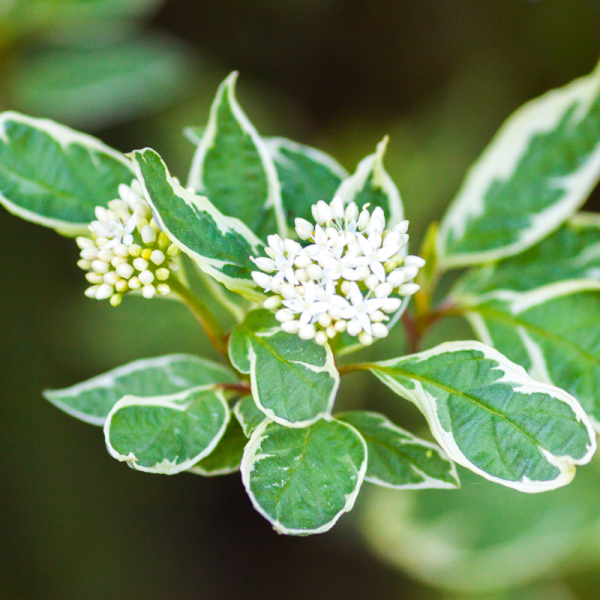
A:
{"points": [[361, 308], [307, 305], [376, 256]]}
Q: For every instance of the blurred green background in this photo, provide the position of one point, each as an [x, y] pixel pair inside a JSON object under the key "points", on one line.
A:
{"points": [[439, 76]]}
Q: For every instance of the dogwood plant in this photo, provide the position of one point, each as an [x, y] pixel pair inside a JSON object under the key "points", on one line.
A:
{"points": [[313, 263]]}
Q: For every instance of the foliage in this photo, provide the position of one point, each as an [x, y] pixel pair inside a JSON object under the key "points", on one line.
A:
{"points": [[517, 407]]}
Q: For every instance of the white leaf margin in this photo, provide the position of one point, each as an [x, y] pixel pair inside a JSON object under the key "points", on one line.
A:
{"points": [[514, 374], [211, 266], [66, 137], [252, 456], [328, 367], [428, 481], [275, 144], [195, 179], [237, 411], [518, 302], [501, 158], [373, 164], [175, 402], [107, 380]]}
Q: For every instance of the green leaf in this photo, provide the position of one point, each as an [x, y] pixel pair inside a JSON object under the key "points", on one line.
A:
{"points": [[100, 86], [54, 176], [491, 538], [491, 417], [572, 252], [233, 167], [536, 172], [248, 414], [227, 456], [552, 331], [303, 480], [221, 245], [307, 175], [371, 183], [92, 400], [294, 382], [398, 459], [166, 434]]}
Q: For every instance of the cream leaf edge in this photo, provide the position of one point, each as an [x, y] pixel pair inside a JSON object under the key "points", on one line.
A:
{"points": [[514, 374], [251, 456], [499, 161], [195, 179], [66, 137], [107, 380], [174, 402]]}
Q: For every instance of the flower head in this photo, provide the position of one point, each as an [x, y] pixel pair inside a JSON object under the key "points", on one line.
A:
{"points": [[126, 251], [348, 276]]}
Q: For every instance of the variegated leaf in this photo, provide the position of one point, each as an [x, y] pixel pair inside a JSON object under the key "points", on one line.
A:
{"points": [[221, 245], [294, 382], [227, 456], [92, 400], [233, 167], [248, 414], [536, 172], [307, 175], [552, 331], [491, 417], [167, 434], [54, 176], [303, 480], [372, 184], [398, 459], [572, 252]]}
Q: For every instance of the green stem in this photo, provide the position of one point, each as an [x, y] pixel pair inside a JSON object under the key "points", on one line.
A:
{"points": [[207, 320], [353, 368]]}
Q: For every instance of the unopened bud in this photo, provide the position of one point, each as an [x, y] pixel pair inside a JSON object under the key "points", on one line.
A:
{"points": [[391, 305], [95, 278], [408, 289], [92, 291], [146, 277], [116, 299], [351, 213], [379, 330], [141, 264], [162, 274], [321, 338], [354, 328], [283, 315], [105, 291], [111, 278], [148, 235], [269, 303], [157, 257], [307, 332], [135, 250], [411, 261], [363, 220], [173, 251], [290, 326], [85, 242], [121, 286], [162, 289], [261, 279], [304, 229], [100, 266], [163, 240], [148, 291], [365, 339], [125, 271], [86, 265], [337, 207]]}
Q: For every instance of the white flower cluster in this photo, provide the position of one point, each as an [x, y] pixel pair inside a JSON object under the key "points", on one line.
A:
{"points": [[126, 250], [350, 276]]}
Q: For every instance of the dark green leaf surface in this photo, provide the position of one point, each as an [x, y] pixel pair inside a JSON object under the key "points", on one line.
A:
{"points": [[572, 252], [306, 174], [303, 480], [227, 456], [372, 184], [491, 417], [248, 414], [294, 382], [168, 434], [552, 331], [233, 167], [54, 176], [92, 400], [535, 174], [221, 245], [397, 458]]}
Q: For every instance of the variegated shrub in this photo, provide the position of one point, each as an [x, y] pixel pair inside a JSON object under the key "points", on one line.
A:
{"points": [[313, 264]]}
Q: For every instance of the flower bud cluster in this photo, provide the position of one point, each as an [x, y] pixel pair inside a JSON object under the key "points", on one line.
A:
{"points": [[349, 275], [126, 250]]}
